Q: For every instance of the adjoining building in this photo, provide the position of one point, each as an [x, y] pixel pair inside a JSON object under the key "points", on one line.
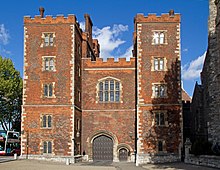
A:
{"points": [[74, 103], [206, 97]]}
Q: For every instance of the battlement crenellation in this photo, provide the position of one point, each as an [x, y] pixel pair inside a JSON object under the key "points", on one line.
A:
{"points": [[70, 19], [110, 62], [152, 17]]}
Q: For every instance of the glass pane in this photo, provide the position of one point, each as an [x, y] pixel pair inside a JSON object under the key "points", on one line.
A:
{"points": [[51, 39], [156, 38], [45, 147], [162, 91], [101, 86], [106, 85], [51, 63], [161, 38], [112, 96], [46, 64], [156, 64], [101, 96], [157, 118], [117, 86], [50, 90], [49, 147], [49, 121], [162, 122], [161, 64], [156, 90], [160, 146], [45, 90], [112, 85], [46, 40], [117, 96], [44, 121], [106, 96]]}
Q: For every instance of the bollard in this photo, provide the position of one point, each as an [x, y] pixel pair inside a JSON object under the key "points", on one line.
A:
{"points": [[15, 156], [67, 161]]}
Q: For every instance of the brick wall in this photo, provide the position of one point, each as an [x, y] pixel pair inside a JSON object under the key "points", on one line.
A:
{"points": [[116, 119], [148, 133], [61, 105]]}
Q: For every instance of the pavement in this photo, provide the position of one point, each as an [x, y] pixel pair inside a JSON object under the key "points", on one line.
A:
{"points": [[11, 164], [6, 158]]}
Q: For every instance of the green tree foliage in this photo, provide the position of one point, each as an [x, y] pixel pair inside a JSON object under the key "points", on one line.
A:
{"points": [[10, 95]]}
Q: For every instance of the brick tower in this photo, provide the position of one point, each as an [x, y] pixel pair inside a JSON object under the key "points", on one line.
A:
{"points": [[159, 120], [51, 113]]}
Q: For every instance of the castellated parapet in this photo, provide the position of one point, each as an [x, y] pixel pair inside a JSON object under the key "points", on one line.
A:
{"points": [[109, 63], [171, 17], [59, 19]]}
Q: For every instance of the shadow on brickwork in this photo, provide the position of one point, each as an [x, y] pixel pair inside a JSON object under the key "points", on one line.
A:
{"points": [[165, 137]]}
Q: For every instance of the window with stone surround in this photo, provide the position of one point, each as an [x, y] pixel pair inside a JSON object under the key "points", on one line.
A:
{"points": [[158, 64], [48, 90], [159, 37], [161, 146], [48, 63], [48, 39], [109, 90], [160, 118], [159, 90], [47, 147], [46, 121]]}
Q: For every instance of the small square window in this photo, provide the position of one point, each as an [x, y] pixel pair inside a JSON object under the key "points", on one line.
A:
{"points": [[46, 121], [158, 64], [48, 90], [160, 118], [160, 146], [48, 39], [47, 147], [49, 63], [159, 91], [159, 37]]}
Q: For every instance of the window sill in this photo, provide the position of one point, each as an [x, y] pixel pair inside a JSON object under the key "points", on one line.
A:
{"points": [[49, 46], [46, 128], [109, 102], [159, 70], [159, 44], [161, 126], [49, 70], [165, 97], [46, 97]]}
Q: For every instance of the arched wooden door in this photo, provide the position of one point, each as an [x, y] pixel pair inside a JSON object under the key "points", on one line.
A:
{"points": [[123, 154], [102, 148]]}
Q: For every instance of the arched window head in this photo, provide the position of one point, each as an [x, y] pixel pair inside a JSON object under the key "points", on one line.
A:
{"points": [[109, 90]]}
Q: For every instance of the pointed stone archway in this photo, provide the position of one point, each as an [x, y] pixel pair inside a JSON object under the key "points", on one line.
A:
{"points": [[106, 138]]}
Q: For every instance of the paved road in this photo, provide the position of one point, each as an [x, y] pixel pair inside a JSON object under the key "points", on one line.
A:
{"points": [[6, 158], [44, 165]]}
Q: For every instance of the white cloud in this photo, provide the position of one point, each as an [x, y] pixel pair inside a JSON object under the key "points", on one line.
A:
{"points": [[82, 25], [193, 69], [4, 35], [185, 50], [109, 38], [127, 54]]}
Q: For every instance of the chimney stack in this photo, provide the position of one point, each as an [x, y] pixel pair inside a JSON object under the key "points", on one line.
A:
{"points": [[41, 9], [171, 12]]}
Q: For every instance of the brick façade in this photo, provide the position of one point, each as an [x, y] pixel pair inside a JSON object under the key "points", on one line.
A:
{"points": [[78, 117]]}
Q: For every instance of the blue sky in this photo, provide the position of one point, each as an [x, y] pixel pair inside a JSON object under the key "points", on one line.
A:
{"points": [[113, 26]]}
